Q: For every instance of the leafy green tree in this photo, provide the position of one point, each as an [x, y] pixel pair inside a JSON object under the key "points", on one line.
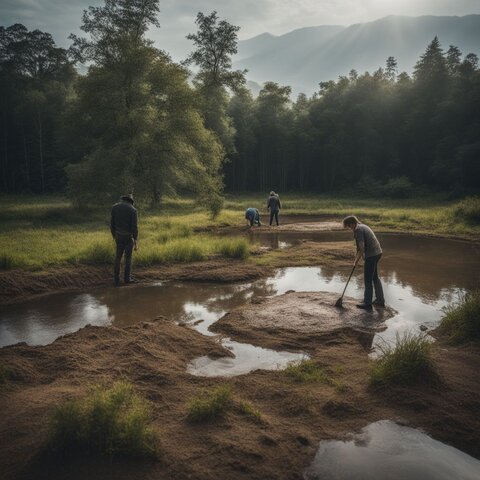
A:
{"points": [[145, 132], [35, 77]]}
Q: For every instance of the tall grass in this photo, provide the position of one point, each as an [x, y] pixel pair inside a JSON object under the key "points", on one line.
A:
{"points": [[468, 210], [407, 362], [44, 231], [461, 320], [107, 421], [210, 404], [233, 248]]}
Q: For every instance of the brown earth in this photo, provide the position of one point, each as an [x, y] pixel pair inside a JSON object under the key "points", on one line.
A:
{"points": [[298, 320], [18, 285], [295, 416]]}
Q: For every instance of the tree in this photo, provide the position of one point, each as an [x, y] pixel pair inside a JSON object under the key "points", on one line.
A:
{"points": [[391, 69], [453, 59], [35, 76], [145, 132]]}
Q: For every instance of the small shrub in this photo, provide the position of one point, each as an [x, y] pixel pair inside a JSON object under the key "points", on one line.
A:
{"points": [[234, 248], [246, 408], [214, 203], [468, 210], [108, 421], [306, 371], [461, 320], [210, 404], [5, 374], [407, 362]]}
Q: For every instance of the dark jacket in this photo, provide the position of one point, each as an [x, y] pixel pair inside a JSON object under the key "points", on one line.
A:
{"points": [[124, 220], [273, 203]]}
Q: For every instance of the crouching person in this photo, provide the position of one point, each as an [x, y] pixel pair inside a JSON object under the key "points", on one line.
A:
{"points": [[368, 248], [252, 215], [123, 226]]}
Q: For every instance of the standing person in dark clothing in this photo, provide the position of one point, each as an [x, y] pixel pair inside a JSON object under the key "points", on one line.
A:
{"points": [[368, 247], [123, 226], [274, 205]]}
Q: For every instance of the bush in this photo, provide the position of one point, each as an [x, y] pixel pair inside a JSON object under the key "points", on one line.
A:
{"points": [[306, 371], [407, 362], [234, 248], [210, 404], [214, 203], [111, 421], [461, 320], [468, 210], [398, 187]]}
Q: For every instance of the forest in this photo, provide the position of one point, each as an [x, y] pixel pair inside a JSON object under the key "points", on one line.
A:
{"points": [[131, 119]]}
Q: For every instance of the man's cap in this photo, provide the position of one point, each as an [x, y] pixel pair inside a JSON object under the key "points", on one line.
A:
{"points": [[128, 198]]}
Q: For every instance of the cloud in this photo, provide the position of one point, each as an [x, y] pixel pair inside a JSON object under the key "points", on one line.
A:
{"points": [[177, 17]]}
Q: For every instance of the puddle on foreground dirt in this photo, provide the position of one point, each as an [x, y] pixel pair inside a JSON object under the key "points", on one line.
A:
{"points": [[386, 450], [420, 276]]}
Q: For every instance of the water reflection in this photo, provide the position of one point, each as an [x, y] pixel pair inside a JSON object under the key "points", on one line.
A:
{"points": [[385, 450], [420, 275]]}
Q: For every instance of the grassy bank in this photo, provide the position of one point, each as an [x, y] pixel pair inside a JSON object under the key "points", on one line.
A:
{"points": [[42, 231]]}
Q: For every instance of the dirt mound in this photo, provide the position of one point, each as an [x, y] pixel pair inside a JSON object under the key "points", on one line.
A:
{"points": [[309, 227], [299, 318]]}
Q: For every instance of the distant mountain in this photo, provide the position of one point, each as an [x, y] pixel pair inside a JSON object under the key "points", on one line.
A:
{"points": [[304, 57]]}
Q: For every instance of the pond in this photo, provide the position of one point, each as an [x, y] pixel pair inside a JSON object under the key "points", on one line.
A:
{"points": [[385, 450], [420, 276]]}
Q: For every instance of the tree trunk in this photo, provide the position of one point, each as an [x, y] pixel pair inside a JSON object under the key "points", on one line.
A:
{"points": [[40, 144], [25, 153], [5, 156]]}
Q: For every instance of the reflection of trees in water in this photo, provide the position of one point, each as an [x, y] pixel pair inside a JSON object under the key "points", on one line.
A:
{"points": [[169, 300]]}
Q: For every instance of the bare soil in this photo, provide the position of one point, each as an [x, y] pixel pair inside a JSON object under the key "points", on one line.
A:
{"points": [[295, 416]]}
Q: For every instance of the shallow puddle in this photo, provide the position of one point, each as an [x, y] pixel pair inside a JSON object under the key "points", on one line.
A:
{"points": [[420, 276], [385, 450]]}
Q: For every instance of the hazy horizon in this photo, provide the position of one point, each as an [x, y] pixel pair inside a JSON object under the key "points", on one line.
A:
{"points": [[60, 18]]}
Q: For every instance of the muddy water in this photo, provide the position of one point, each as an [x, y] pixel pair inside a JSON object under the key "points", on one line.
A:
{"points": [[420, 276], [385, 450]]}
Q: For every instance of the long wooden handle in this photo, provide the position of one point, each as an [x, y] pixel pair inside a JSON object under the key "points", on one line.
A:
{"points": [[348, 281]]}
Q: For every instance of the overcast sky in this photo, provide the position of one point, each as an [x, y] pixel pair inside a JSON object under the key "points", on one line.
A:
{"points": [[61, 17]]}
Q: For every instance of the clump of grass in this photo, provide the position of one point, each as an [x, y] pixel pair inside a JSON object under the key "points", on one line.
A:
{"points": [[407, 362], [468, 209], [461, 320], [306, 371], [210, 404], [234, 248], [178, 231], [107, 421], [9, 261], [246, 408], [98, 253], [5, 374]]}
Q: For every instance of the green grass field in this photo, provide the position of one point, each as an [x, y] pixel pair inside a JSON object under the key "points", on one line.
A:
{"points": [[38, 232]]}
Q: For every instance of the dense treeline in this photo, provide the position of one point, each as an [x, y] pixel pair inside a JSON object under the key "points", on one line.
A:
{"points": [[378, 133], [136, 122]]}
